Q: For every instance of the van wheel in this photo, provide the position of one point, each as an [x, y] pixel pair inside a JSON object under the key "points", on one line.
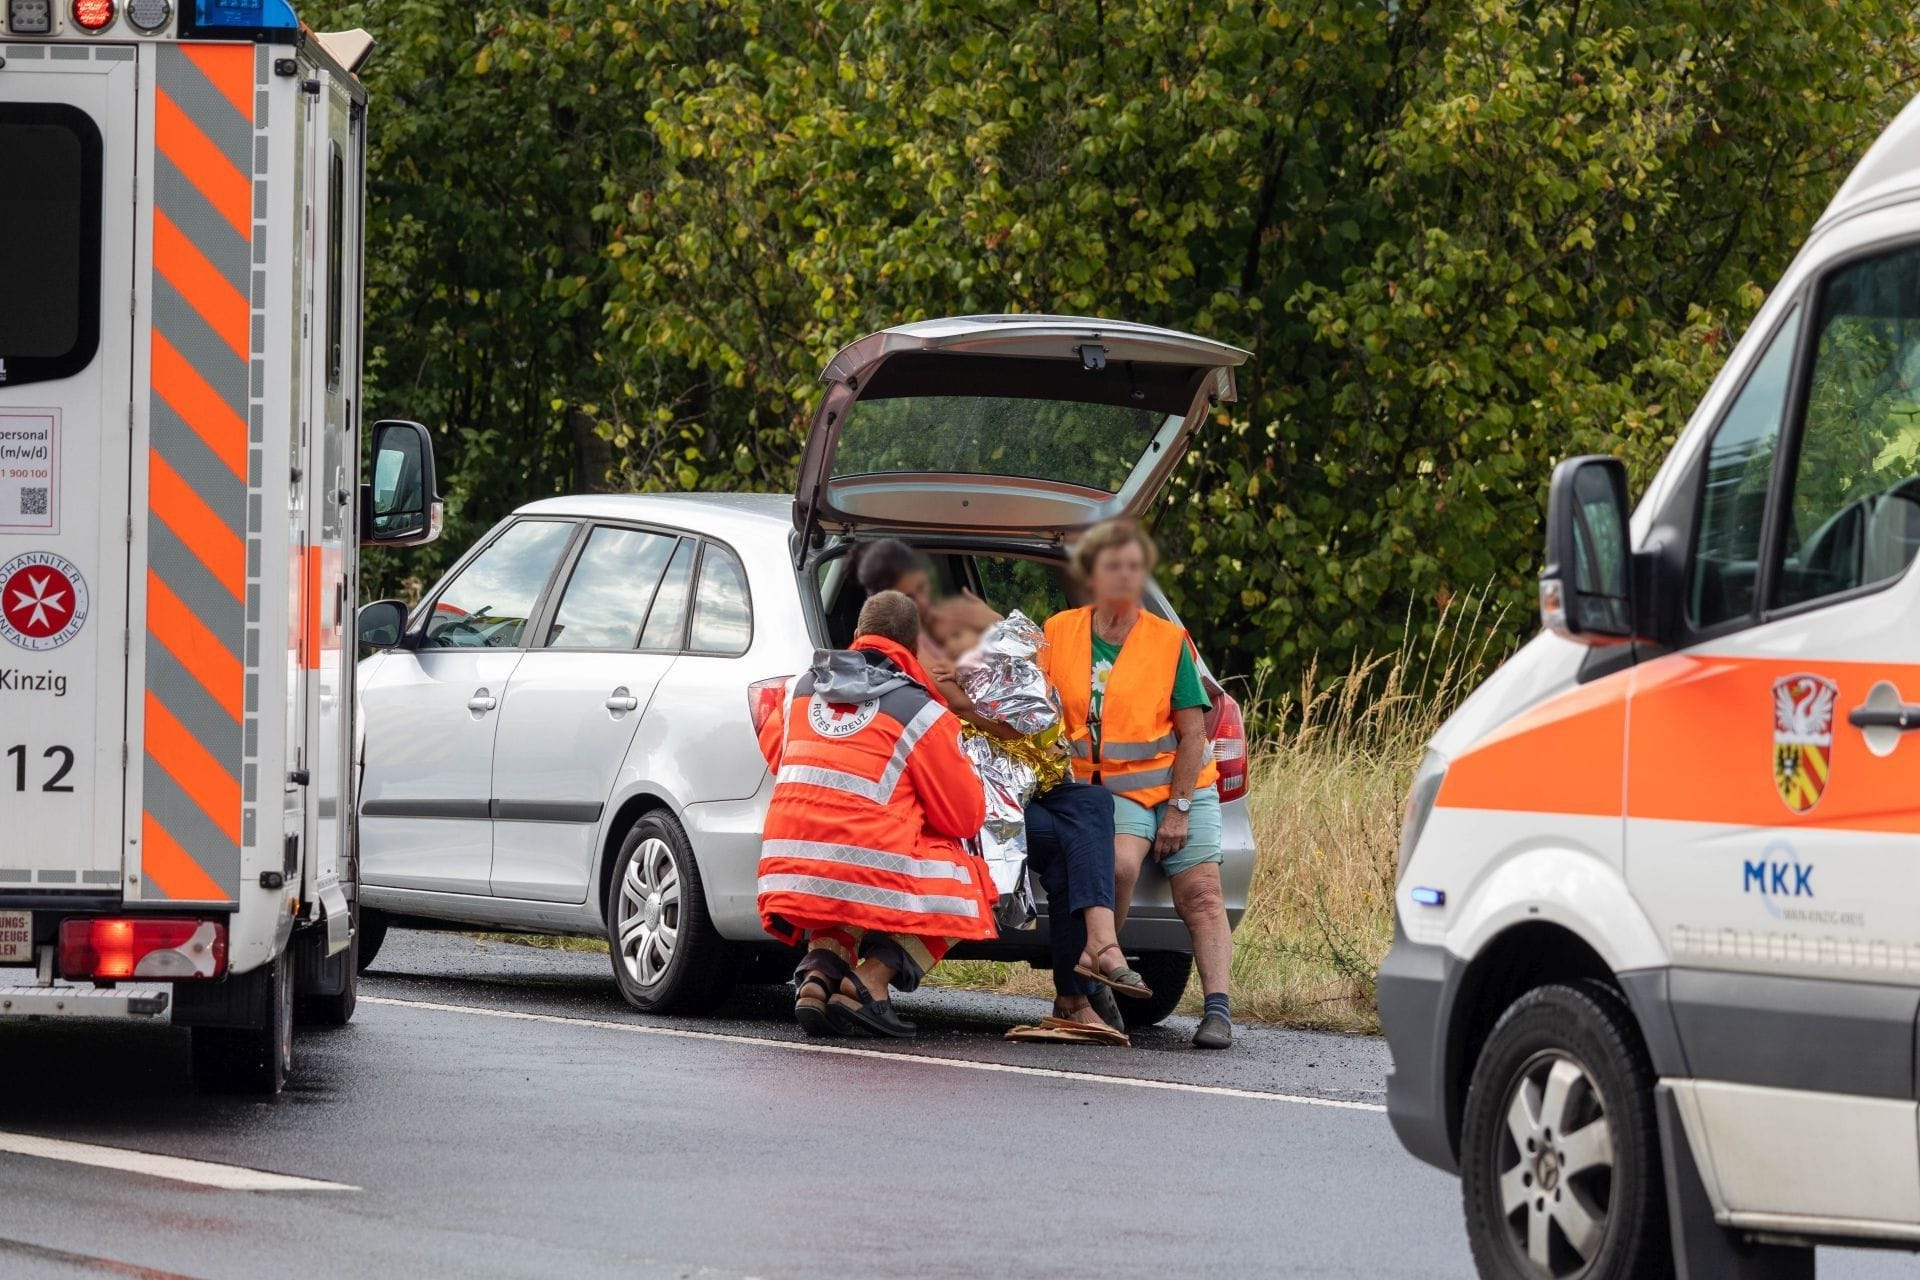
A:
{"points": [[666, 955], [1166, 973], [330, 1008], [368, 933], [253, 1060], [1560, 1151]]}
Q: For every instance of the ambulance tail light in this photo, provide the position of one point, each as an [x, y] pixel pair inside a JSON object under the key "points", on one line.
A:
{"points": [[115, 948], [1230, 749], [765, 698], [93, 15]]}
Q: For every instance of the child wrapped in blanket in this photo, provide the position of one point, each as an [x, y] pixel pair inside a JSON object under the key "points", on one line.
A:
{"points": [[1038, 815]]}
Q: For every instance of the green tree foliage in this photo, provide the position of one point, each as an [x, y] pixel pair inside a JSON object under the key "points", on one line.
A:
{"points": [[613, 245]]}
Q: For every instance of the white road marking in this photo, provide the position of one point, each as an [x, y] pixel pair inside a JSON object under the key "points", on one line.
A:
{"points": [[201, 1173], [850, 1051]]}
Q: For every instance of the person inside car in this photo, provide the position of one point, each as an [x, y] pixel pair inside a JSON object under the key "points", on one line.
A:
{"points": [[863, 854], [1135, 712]]}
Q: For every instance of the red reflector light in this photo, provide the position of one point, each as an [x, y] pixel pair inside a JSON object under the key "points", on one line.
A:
{"points": [[93, 15], [118, 948], [1230, 750], [765, 698]]}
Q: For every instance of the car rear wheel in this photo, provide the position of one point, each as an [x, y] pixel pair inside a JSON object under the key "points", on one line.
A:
{"points": [[1560, 1153], [251, 1060], [369, 933], [1166, 973], [667, 957]]}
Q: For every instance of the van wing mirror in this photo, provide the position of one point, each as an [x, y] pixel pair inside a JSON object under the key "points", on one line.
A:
{"points": [[383, 625], [1587, 586], [400, 506]]}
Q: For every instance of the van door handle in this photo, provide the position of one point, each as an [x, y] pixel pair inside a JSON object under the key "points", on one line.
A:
{"points": [[1905, 717], [482, 702], [622, 700]]}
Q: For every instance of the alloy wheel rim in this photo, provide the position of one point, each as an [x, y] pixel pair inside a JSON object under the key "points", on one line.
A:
{"points": [[1553, 1167], [647, 921]]}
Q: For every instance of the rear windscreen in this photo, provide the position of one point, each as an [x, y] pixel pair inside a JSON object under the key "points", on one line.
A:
{"points": [[49, 241]]}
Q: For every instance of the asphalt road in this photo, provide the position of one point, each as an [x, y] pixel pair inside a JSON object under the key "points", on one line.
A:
{"points": [[495, 1110]]}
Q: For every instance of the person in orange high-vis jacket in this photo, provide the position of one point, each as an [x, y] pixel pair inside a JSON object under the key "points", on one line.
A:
{"points": [[1134, 707], [864, 853]]}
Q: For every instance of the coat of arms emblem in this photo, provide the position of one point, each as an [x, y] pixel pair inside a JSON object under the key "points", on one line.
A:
{"points": [[1802, 738]]}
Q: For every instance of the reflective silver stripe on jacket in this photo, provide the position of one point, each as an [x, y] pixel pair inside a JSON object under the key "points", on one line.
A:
{"points": [[1119, 751], [867, 895], [853, 855], [1144, 778], [879, 790]]}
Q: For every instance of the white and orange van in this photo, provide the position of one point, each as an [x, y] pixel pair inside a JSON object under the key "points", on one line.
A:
{"points": [[1654, 985]]}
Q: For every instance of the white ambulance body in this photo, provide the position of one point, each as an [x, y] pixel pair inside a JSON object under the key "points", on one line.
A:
{"points": [[1657, 965], [180, 226]]}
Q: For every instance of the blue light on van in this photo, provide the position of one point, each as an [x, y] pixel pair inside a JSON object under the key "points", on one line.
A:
{"points": [[1428, 897], [244, 15]]}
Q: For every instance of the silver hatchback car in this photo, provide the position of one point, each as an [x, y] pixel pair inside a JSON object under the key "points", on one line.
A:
{"points": [[561, 736]]}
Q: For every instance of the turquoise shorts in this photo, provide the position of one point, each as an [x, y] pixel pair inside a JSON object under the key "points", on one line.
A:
{"points": [[1131, 818]]}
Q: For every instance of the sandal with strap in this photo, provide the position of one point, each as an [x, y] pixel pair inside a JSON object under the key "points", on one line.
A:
{"points": [[856, 1012], [1122, 979], [814, 983]]}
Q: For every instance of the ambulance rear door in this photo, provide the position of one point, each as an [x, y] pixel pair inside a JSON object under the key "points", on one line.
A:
{"points": [[67, 248]]}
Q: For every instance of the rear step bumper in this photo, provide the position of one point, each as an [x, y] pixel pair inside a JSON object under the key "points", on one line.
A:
{"points": [[84, 1004]]}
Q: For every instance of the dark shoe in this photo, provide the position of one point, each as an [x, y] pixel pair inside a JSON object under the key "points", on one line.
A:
{"points": [[814, 983], [1107, 1007], [856, 1012], [1214, 1032]]}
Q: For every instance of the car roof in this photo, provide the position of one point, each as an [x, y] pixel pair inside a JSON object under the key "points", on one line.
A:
{"points": [[722, 515]]}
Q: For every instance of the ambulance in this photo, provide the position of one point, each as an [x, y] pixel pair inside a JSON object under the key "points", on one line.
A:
{"points": [[1654, 984], [181, 191]]}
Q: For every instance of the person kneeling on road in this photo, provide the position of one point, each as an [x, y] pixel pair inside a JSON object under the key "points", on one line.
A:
{"points": [[863, 854]]}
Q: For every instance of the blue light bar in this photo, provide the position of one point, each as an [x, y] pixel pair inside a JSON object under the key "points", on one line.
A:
{"points": [[238, 16], [1428, 897]]}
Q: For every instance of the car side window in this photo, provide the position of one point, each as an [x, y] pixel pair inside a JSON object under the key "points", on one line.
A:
{"points": [[1733, 500], [666, 627], [722, 609], [611, 589], [487, 604], [1853, 509]]}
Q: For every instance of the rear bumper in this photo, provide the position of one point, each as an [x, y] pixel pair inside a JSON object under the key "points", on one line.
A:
{"points": [[87, 1003], [1416, 988]]}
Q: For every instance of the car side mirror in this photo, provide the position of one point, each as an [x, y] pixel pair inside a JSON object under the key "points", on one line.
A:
{"points": [[400, 506], [1587, 584], [383, 624]]}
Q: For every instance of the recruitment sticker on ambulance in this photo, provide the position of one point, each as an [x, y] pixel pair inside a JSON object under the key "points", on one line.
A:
{"points": [[29, 471]]}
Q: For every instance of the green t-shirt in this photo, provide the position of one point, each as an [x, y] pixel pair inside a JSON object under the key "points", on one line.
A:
{"points": [[1187, 689]]}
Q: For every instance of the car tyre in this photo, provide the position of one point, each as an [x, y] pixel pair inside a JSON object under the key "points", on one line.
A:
{"points": [[334, 1009], [1560, 1165], [667, 956], [1166, 973], [251, 1060], [369, 931]]}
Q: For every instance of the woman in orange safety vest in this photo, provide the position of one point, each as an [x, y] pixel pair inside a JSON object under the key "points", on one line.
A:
{"points": [[1135, 712], [862, 854]]}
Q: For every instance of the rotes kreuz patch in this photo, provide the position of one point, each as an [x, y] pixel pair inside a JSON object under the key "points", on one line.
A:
{"points": [[839, 719], [43, 600], [1802, 738]]}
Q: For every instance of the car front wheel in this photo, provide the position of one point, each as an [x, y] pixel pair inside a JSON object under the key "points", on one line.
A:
{"points": [[1560, 1154], [667, 957]]}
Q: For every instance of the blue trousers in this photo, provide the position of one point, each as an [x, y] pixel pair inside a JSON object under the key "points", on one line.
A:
{"points": [[1070, 848]]}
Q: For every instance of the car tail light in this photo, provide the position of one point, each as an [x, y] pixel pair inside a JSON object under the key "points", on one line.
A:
{"points": [[93, 15], [161, 948], [765, 698], [1230, 749]]}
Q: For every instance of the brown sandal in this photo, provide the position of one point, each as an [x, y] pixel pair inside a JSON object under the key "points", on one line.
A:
{"points": [[1123, 980]]}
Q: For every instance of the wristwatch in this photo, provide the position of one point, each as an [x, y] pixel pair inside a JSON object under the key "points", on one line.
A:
{"points": [[1182, 805]]}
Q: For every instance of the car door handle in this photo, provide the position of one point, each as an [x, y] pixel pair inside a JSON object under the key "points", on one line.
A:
{"points": [[622, 700], [1904, 717], [482, 702]]}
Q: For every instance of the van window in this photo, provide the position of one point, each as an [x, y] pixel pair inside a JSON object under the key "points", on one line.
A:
{"points": [[611, 589], [722, 613], [667, 622], [1853, 516], [49, 242], [336, 262], [1733, 500], [487, 604]]}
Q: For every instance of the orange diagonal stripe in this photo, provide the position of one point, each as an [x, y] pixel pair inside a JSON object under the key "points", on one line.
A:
{"points": [[223, 307], [226, 188], [172, 869], [199, 406], [175, 749], [195, 648], [230, 68], [194, 523]]}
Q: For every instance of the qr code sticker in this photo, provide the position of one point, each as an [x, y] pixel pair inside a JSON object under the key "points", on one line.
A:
{"points": [[33, 502]]}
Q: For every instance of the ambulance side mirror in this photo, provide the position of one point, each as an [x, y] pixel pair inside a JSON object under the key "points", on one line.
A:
{"points": [[1586, 587], [383, 625], [401, 506]]}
